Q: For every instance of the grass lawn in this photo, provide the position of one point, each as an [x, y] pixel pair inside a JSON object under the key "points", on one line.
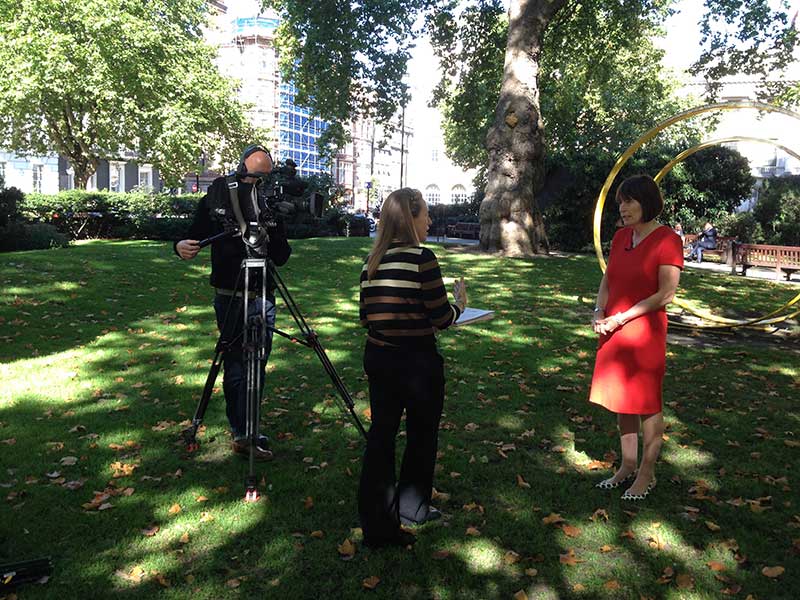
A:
{"points": [[106, 346]]}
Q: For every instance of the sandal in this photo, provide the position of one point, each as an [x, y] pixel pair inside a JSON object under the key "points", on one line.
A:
{"points": [[639, 497], [610, 484]]}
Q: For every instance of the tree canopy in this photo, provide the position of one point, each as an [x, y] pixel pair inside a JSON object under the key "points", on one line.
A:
{"points": [[92, 79], [560, 75]]}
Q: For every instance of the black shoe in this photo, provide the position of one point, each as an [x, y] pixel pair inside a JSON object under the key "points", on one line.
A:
{"points": [[401, 539], [261, 452], [433, 514]]}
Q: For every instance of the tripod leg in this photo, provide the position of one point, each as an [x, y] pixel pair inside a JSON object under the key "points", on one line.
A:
{"points": [[312, 340], [190, 433]]}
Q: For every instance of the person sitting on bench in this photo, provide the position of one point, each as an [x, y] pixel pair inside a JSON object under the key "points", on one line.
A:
{"points": [[706, 240]]}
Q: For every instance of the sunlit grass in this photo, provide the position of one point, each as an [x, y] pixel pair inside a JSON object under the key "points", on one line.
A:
{"points": [[107, 346]]}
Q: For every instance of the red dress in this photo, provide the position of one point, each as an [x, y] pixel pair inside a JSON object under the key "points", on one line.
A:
{"points": [[630, 363]]}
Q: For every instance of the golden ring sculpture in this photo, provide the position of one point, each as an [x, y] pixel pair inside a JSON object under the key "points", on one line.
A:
{"points": [[723, 323], [765, 319]]}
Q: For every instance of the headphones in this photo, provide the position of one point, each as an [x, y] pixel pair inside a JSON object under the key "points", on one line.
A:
{"points": [[241, 169]]}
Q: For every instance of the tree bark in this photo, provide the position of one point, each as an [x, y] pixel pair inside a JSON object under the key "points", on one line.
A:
{"points": [[511, 221]]}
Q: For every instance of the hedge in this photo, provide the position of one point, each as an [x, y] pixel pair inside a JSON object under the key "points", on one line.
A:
{"points": [[80, 214]]}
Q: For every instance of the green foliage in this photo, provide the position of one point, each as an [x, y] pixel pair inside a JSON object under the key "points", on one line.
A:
{"points": [[707, 186], [30, 236], [710, 184], [346, 59], [747, 37], [93, 78], [471, 50], [10, 200], [778, 210], [743, 226], [593, 96], [80, 214]]}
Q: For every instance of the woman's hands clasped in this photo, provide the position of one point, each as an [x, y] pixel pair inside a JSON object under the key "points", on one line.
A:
{"points": [[604, 325], [460, 294]]}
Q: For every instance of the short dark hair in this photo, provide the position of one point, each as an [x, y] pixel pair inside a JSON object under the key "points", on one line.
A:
{"points": [[645, 191]]}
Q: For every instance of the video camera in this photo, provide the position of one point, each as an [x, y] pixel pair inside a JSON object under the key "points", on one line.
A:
{"points": [[282, 191], [279, 193]]}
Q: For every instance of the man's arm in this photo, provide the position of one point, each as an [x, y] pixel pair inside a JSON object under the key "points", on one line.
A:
{"points": [[278, 247], [200, 228]]}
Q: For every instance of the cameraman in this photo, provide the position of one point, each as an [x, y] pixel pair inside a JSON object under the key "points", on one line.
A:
{"points": [[226, 257]]}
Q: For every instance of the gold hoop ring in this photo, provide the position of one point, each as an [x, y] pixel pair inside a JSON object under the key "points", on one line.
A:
{"points": [[649, 135]]}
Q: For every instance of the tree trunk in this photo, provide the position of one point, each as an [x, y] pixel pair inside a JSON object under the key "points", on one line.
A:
{"points": [[510, 218], [66, 134]]}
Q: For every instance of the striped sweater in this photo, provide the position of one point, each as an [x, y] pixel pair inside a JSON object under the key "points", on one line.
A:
{"points": [[406, 301]]}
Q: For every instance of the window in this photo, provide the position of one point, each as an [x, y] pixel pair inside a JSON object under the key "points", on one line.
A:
{"points": [[116, 177], [38, 173], [3, 171], [458, 194], [342, 174], [434, 155], [432, 195], [91, 184], [145, 178], [69, 184]]}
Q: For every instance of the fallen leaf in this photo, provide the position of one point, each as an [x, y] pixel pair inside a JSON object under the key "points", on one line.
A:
{"points": [[184, 539], [135, 575], [521, 595], [473, 531], [201, 499], [175, 509], [612, 585], [552, 518], [684, 581], [715, 566], [569, 558], [371, 583], [772, 572], [522, 483], [510, 557], [233, 583], [531, 572], [68, 461], [598, 464], [308, 503], [712, 526], [578, 587], [205, 517], [150, 531], [570, 531], [440, 555], [346, 550], [606, 548]]}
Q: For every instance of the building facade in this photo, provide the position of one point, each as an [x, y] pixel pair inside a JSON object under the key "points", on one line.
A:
{"points": [[51, 173]]}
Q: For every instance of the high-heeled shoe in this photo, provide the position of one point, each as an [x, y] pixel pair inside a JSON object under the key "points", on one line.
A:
{"points": [[610, 484], [638, 497]]}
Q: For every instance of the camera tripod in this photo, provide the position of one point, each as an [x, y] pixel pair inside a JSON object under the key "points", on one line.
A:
{"points": [[253, 342]]}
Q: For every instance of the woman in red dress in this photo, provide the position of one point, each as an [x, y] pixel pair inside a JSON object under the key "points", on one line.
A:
{"points": [[642, 275]]}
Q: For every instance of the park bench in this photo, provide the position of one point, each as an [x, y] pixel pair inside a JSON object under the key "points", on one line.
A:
{"points": [[780, 258], [464, 230], [723, 249]]}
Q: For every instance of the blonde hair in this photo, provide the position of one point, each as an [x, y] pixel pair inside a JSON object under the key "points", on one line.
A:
{"points": [[396, 225]]}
